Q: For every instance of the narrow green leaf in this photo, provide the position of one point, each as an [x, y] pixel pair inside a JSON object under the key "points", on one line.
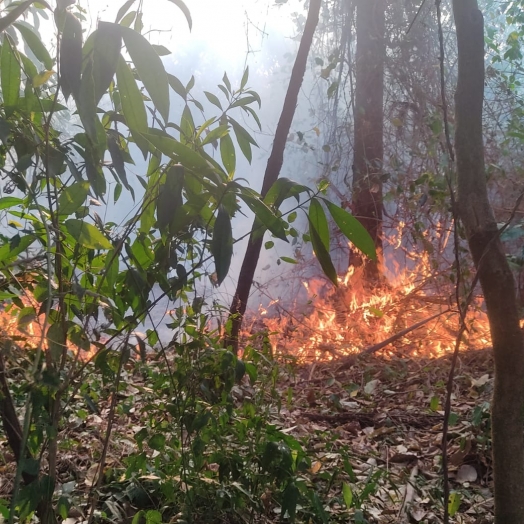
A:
{"points": [[318, 218], [353, 230], [117, 157], [147, 213], [322, 254], [7, 202], [222, 244], [455, 500], [184, 10], [215, 134], [70, 55], [187, 125], [39, 105], [133, 106], [213, 99], [347, 493], [86, 234], [244, 139], [131, 98], [5, 131], [227, 83], [288, 260], [289, 502], [106, 51], [123, 10], [10, 74], [177, 86], [227, 153], [264, 215], [149, 68], [177, 151], [243, 102], [72, 197], [245, 78], [161, 50], [14, 13], [170, 197], [128, 19], [35, 44]]}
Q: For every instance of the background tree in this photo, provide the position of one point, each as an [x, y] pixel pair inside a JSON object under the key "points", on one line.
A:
{"points": [[368, 110], [493, 269]]}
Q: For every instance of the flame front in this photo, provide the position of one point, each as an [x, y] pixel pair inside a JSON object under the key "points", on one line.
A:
{"points": [[336, 322]]}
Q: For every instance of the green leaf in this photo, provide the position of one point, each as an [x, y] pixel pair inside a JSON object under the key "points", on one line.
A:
{"points": [[244, 139], [170, 197], [347, 493], [132, 104], [215, 134], [106, 51], [128, 19], [245, 78], [88, 115], [70, 55], [282, 189], [35, 44], [322, 254], [434, 403], [161, 50], [9, 251], [17, 10], [172, 148], [72, 197], [455, 500], [352, 229], [264, 215], [184, 10], [288, 260], [177, 86], [7, 202], [222, 244], [40, 105], [157, 442], [227, 83], [318, 218], [10, 74], [227, 153], [242, 102], [5, 131], [123, 10], [290, 501], [149, 68], [187, 125], [86, 234], [41, 78], [213, 99]]}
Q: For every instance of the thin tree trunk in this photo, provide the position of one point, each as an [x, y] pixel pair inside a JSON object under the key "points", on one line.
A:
{"points": [[369, 122], [494, 273], [274, 164]]}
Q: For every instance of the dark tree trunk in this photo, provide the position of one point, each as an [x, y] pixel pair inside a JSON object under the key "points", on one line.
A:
{"points": [[274, 164], [494, 273], [369, 122]]}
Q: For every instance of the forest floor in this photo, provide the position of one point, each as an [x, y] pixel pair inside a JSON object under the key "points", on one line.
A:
{"points": [[386, 417], [372, 431]]}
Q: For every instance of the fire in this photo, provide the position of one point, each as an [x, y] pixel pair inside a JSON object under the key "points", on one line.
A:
{"points": [[337, 322]]}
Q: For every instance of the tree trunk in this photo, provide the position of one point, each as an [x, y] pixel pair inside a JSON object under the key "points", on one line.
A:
{"points": [[369, 122], [274, 164], [494, 273]]}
